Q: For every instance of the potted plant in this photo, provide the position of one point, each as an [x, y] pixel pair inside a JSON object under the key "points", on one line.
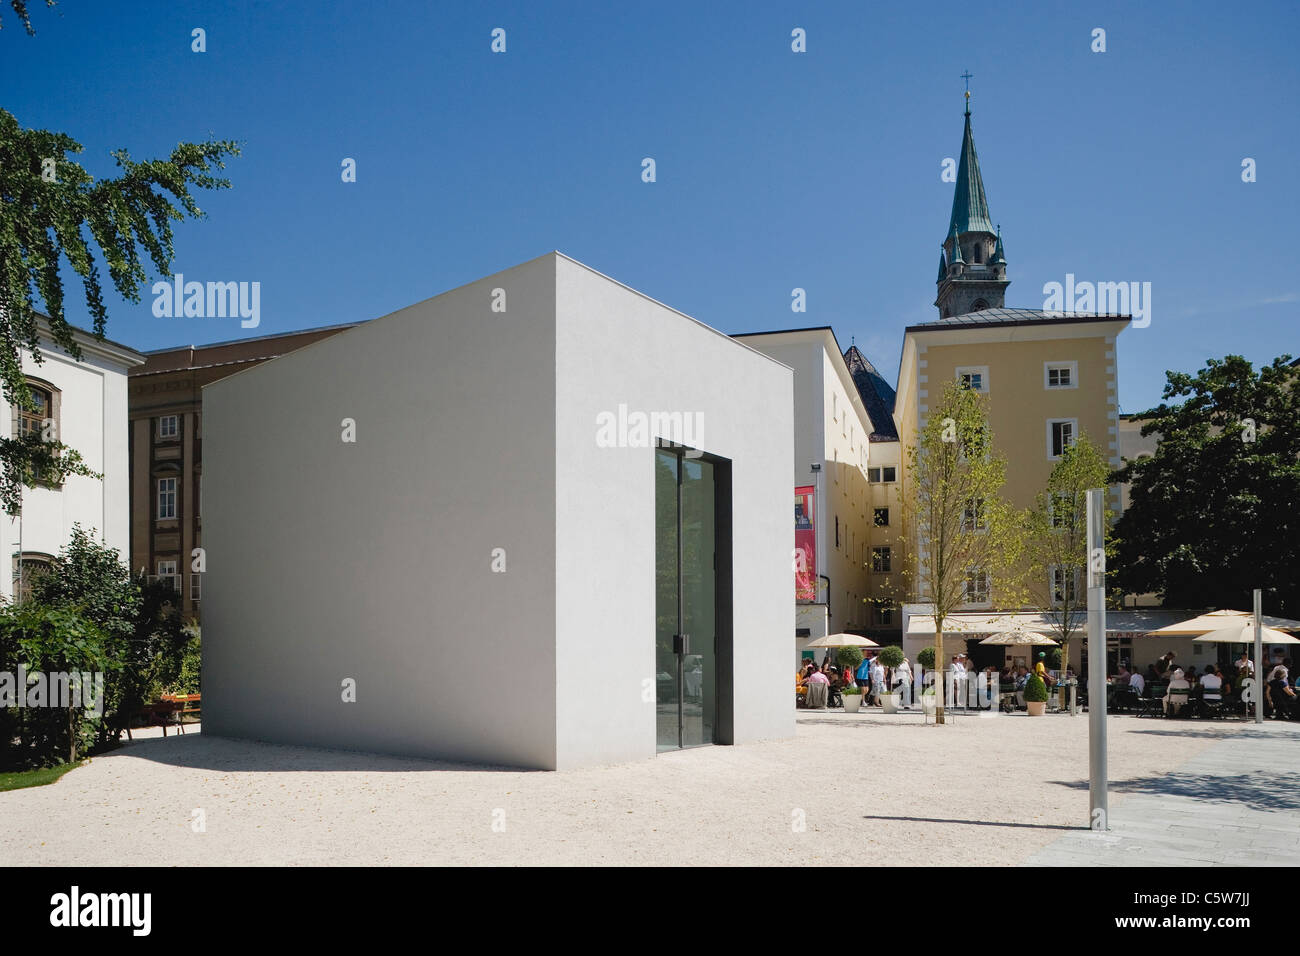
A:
{"points": [[891, 657], [1035, 695], [852, 697]]}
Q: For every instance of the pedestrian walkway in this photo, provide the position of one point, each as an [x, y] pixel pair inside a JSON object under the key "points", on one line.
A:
{"points": [[1233, 804]]}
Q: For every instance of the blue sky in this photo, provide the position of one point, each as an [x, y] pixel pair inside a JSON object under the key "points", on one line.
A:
{"points": [[775, 170]]}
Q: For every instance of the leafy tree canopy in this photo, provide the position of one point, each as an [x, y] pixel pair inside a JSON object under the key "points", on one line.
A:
{"points": [[1215, 512]]}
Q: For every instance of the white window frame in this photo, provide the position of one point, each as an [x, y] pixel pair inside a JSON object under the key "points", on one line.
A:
{"points": [[888, 481], [886, 553], [1052, 573], [981, 370], [196, 586], [973, 599], [160, 498], [974, 515], [1071, 367], [175, 432], [1074, 434], [1052, 498]]}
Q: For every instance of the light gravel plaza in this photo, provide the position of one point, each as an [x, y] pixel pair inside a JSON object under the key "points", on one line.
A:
{"points": [[870, 788]]}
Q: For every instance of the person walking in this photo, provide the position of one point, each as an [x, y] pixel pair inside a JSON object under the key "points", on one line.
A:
{"points": [[863, 677]]}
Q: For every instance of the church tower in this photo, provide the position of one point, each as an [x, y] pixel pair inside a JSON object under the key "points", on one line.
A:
{"points": [[972, 268]]}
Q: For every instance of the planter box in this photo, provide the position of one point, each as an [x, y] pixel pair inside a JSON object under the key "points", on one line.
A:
{"points": [[1035, 707], [851, 702]]}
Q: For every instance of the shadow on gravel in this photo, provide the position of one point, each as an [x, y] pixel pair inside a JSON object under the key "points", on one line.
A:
{"points": [[980, 823], [204, 752], [1269, 790]]}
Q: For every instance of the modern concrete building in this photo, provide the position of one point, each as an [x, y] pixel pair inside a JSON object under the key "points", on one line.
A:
{"points": [[165, 398], [82, 404], [504, 563]]}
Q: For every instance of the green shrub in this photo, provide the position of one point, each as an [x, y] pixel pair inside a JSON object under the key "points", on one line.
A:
{"points": [[1035, 690], [926, 658], [891, 656], [848, 658], [852, 691]]}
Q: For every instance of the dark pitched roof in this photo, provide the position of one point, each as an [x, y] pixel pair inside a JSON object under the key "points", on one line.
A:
{"points": [[994, 317], [877, 395]]}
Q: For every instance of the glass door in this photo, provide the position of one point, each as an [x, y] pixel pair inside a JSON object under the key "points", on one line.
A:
{"points": [[685, 600]]}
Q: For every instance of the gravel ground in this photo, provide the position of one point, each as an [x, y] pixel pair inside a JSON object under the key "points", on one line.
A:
{"points": [[868, 788]]}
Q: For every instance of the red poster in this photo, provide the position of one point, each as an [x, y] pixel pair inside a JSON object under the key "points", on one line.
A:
{"points": [[805, 542]]}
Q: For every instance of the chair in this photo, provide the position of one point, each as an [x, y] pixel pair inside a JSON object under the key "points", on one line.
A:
{"points": [[817, 696], [1152, 705], [1176, 702]]}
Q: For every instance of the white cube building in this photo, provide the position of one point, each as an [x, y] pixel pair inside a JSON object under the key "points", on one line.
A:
{"points": [[540, 521]]}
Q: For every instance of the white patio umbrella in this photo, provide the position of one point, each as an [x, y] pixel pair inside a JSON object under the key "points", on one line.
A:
{"points": [[1019, 638], [842, 640], [1244, 633], [1217, 620]]}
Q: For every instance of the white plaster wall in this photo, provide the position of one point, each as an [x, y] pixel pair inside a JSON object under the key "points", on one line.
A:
{"points": [[93, 420], [616, 346], [371, 560]]}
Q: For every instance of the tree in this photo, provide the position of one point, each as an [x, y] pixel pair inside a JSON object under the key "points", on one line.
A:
{"points": [[141, 622], [20, 8], [966, 536], [1215, 512], [51, 211], [1056, 540]]}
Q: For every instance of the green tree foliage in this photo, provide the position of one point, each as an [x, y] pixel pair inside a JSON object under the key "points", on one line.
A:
{"points": [[891, 656], [54, 213], [20, 8], [848, 657], [147, 637], [49, 640], [1057, 537], [1215, 512], [961, 524]]}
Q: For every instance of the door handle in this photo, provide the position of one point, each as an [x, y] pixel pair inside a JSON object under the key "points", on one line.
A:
{"points": [[681, 644]]}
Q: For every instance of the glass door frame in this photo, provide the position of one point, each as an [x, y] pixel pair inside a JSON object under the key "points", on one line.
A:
{"points": [[723, 654]]}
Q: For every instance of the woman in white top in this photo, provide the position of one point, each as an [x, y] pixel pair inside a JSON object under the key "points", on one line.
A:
{"points": [[903, 677], [1176, 684]]}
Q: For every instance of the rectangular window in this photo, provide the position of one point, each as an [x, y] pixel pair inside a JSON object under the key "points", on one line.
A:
{"points": [[1060, 435], [167, 574], [873, 475], [837, 532], [1060, 505], [196, 587], [166, 499], [887, 475], [168, 426], [880, 560], [885, 616], [974, 377], [972, 516], [1061, 374], [882, 517], [1064, 588], [977, 587]]}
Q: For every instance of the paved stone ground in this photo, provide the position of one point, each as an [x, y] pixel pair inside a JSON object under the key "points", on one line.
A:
{"points": [[1233, 804]]}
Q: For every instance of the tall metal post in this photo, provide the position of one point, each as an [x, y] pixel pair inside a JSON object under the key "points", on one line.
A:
{"points": [[1259, 658], [1098, 809]]}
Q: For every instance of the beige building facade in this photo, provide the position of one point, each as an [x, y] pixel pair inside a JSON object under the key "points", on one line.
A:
{"points": [[166, 452]]}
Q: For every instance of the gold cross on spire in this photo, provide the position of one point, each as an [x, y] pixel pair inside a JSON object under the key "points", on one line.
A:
{"points": [[967, 77]]}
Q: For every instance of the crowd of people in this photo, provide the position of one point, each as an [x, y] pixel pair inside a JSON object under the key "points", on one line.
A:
{"points": [[1212, 685]]}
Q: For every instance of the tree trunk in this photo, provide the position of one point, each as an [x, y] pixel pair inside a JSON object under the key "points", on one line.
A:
{"points": [[72, 735], [1061, 689], [939, 686]]}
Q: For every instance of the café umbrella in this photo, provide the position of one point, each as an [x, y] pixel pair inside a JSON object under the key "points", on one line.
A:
{"points": [[1222, 620], [1019, 639], [1244, 633], [842, 640]]}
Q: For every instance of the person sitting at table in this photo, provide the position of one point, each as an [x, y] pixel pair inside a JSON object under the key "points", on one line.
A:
{"points": [[1190, 675], [1281, 693], [1176, 683], [1137, 684], [1122, 678], [1211, 685], [1022, 675], [1152, 675], [817, 676]]}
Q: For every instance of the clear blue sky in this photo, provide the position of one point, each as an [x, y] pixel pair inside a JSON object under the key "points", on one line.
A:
{"points": [[775, 170]]}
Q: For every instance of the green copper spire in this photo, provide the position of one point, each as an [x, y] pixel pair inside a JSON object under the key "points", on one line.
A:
{"points": [[970, 208], [999, 259], [956, 246], [943, 267]]}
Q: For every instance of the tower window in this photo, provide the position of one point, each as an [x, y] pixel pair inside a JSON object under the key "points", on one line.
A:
{"points": [[976, 252]]}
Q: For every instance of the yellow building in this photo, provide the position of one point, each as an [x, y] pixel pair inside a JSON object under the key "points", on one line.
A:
{"points": [[1048, 377]]}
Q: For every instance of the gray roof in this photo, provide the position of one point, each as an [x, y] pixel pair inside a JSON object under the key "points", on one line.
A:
{"points": [[877, 395], [996, 317]]}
